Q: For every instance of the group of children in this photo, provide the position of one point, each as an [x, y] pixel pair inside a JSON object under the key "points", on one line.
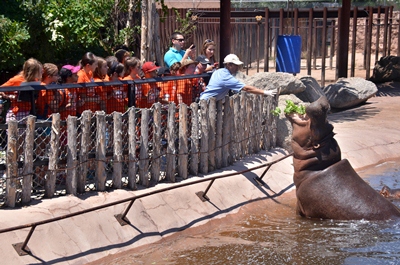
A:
{"points": [[73, 101]]}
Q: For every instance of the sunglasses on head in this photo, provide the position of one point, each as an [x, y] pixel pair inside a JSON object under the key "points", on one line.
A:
{"points": [[208, 41]]}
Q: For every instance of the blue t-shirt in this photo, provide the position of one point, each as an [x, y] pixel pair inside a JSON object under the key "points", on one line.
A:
{"points": [[173, 56], [220, 83]]}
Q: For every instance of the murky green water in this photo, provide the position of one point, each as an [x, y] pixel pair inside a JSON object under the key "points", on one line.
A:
{"points": [[265, 234]]}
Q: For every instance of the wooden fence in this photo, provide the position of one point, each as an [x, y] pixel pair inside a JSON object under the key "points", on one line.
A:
{"points": [[165, 142]]}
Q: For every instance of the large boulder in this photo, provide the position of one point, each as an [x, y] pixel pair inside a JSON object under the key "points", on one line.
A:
{"points": [[287, 83], [349, 92], [313, 90], [386, 69]]}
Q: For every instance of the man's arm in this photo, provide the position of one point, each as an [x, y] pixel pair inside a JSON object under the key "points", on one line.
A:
{"points": [[257, 91]]}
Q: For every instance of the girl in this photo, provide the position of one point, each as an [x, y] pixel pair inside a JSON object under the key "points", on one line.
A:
{"points": [[209, 50], [68, 75], [50, 100], [87, 98]]}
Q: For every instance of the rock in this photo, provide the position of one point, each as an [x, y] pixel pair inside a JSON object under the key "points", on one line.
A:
{"points": [[313, 90], [386, 69], [242, 77], [287, 83], [349, 92]]}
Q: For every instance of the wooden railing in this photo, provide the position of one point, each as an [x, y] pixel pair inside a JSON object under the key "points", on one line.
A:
{"points": [[139, 147]]}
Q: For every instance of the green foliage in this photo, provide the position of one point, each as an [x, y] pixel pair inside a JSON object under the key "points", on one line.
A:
{"points": [[293, 108], [290, 108], [188, 23], [12, 35]]}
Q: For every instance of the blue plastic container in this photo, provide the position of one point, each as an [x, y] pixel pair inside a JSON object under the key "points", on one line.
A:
{"points": [[288, 54]]}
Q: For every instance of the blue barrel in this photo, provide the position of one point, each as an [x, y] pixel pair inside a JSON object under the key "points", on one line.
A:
{"points": [[288, 54]]}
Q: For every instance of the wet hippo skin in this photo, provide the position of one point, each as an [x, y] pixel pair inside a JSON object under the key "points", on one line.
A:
{"points": [[326, 186]]}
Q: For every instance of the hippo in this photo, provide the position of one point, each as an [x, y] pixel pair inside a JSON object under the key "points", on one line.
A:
{"points": [[390, 193], [327, 186]]}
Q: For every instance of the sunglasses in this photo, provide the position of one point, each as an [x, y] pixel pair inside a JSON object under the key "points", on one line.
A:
{"points": [[208, 41], [180, 40]]}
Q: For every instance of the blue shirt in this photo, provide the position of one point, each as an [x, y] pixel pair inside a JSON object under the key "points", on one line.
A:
{"points": [[220, 83], [173, 56]]}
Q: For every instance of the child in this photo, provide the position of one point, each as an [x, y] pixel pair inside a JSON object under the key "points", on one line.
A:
{"points": [[87, 98], [49, 101], [68, 75]]}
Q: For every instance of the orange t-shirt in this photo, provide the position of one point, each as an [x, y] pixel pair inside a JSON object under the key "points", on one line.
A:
{"points": [[185, 89], [15, 104], [89, 99], [69, 103], [48, 102]]}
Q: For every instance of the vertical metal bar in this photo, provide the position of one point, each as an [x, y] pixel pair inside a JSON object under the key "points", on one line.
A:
{"points": [[267, 43], [365, 39], [296, 21], [225, 29], [258, 45], [378, 33], [333, 34], [343, 39], [323, 56], [385, 30], [281, 21], [309, 40], [208, 188], [353, 44], [390, 30], [369, 39], [314, 50]]}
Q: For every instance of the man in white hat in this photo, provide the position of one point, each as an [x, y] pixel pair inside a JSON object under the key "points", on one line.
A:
{"points": [[222, 80]]}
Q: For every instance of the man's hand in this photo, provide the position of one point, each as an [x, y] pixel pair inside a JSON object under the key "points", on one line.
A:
{"points": [[271, 93]]}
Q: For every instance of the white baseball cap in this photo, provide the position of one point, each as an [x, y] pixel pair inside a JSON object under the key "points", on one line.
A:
{"points": [[232, 58]]}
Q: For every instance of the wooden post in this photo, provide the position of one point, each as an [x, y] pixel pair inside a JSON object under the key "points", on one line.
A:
{"points": [[71, 180], [101, 175], [50, 186], [323, 55], [353, 45], [118, 155], [28, 160], [212, 118], [268, 123], [12, 164], [194, 148], [171, 150], [183, 142], [249, 124], [237, 124], [204, 137], [266, 41], [243, 128], [218, 136], [84, 149], [226, 136], [156, 160], [132, 149], [144, 148], [310, 40], [257, 124]]}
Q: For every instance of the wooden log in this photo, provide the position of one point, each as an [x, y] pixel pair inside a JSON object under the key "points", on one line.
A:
{"points": [[212, 119], [218, 135], [231, 159], [226, 133], [28, 159], [156, 158], [249, 125], [237, 123], [203, 167], [256, 124], [12, 164], [243, 128], [171, 149], [84, 149], [144, 148], [183, 142], [101, 175], [132, 149], [268, 123], [194, 138], [50, 186], [118, 151], [71, 180]]}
